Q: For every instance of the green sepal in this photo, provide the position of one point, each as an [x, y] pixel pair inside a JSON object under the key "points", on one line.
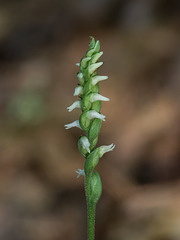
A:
{"points": [[91, 161], [97, 46], [84, 121], [96, 106], [95, 187], [94, 129], [84, 62], [83, 151], [93, 143], [85, 103], [89, 88], [92, 43]]}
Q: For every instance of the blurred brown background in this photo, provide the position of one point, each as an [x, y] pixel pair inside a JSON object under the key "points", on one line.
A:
{"points": [[40, 42]]}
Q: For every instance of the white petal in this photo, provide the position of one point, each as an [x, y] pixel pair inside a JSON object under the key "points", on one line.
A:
{"points": [[80, 172], [78, 64], [98, 97], [93, 67], [85, 143], [93, 114], [76, 104], [104, 149], [78, 91], [73, 124], [97, 79]]}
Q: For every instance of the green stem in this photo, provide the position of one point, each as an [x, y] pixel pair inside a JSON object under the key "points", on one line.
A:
{"points": [[91, 206], [91, 220]]}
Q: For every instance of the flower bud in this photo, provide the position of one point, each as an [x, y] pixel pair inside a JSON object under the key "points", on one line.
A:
{"points": [[93, 67], [90, 52], [78, 91], [83, 145], [84, 62], [97, 46], [96, 57], [80, 78], [92, 43]]}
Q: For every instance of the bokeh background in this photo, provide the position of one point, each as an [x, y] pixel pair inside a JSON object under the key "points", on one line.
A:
{"points": [[40, 42]]}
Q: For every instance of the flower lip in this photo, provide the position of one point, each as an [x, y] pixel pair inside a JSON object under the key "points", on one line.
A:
{"points": [[106, 148], [73, 124], [98, 97], [97, 79], [93, 114], [80, 172], [76, 104]]}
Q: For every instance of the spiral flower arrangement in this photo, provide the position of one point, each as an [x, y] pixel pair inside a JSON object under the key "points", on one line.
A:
{"points": [[90, 121]]}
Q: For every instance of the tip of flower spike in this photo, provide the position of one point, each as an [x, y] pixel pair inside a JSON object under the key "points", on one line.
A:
{"points": [[73, 124], [92, 43], [80, 172]]}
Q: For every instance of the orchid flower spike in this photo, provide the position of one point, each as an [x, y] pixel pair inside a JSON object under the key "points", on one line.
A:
{"points": [[90, 121]]}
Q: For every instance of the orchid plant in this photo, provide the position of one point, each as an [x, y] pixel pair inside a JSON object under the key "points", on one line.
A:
{"points": [[90, 122]]}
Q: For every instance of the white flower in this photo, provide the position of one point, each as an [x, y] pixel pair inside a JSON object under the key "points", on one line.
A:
{"points": [[97, 79], [104, 149], [80, 172], [98, 97], [76, 104], [93, 67], [80, 77], [73, 124], [85, 143], [78, 91], [93, 114], [78, 64]]}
